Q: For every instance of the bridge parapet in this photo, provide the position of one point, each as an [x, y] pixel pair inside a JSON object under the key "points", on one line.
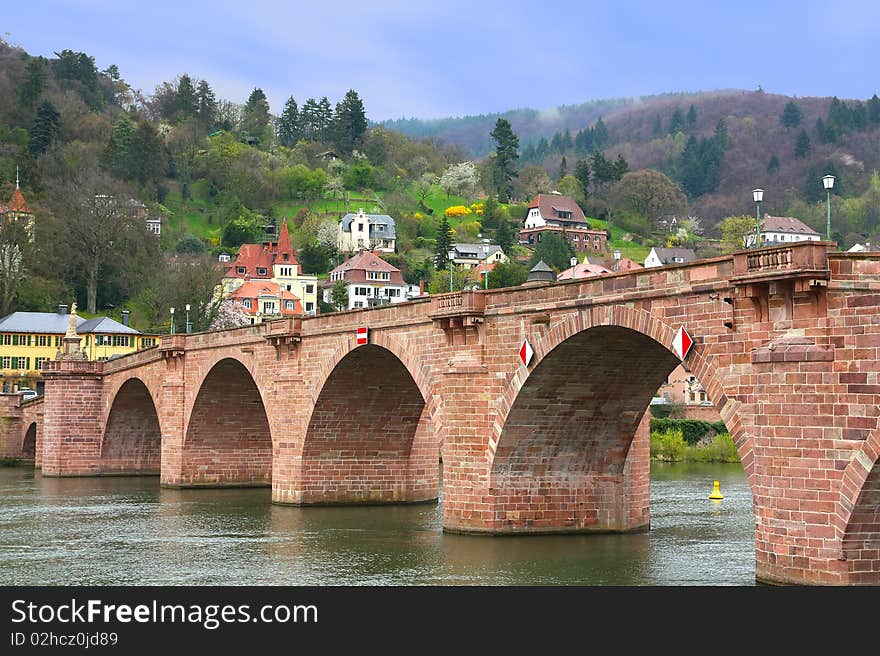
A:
{"points": [[466, 305], [172, 346], [95, 367], [800, 261]]}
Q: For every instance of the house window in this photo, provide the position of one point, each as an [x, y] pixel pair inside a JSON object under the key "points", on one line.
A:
{"points": [[393, 292], [290, 305], [563, 215], [358, 304], [539, 238], [241, 270], [310, 307], [360, 227], [361, 291], [120, 340], [7, 340], [147, 342], [380, 228], [247, 303], [268, 307], [224, 257], [43, 340], [310, 289], [39, 363], [261, 271], [679, 260], [7, 362]]}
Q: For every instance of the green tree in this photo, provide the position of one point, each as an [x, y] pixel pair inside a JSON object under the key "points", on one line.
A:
{"points": [[190, 244], [554, 249], [649, 194], [34, 82], [874, 109], [187, 102], [620, 167], [349, 122], [571, 186], [324, 118], [692, 118], [563, 168], [802, 146], [255, 116], [792, 115], [506, 235], [773, 165], [358, 176], [207, 105], [676, 121], [507, 274], [582, 173], [735, 230], [47, 125], [657, 127], [339, 295], [444, 243], [504, 162], [603, 170], [315, 258], [288, 124], [242, 229]]}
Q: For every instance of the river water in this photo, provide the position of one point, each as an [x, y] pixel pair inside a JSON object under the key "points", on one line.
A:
{"points": [[129, 531]]}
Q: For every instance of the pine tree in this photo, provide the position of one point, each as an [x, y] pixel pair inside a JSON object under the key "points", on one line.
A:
{"points": [[308, 119], [255, 116], [692, 118], [600, 135], [620, 167], [505, 235], [506, 144], [288, 124], [324, 118], [802, 147], [874, 110], [582, 173], [676, 121], [657, 127], [34, 82], [444, 244], [349, 122], [47, 124], [792, 115], [563, 168], [207, 104], [187, 102]]}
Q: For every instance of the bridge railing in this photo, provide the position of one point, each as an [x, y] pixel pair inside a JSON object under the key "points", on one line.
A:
{"points": [[465, 303], [73, 366], [795, 257]]}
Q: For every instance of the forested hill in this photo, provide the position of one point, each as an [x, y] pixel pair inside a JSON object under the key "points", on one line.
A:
{"points": [[471, 133]]}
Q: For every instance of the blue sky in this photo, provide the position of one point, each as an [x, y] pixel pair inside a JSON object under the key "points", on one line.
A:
{"points": [[434, 59]]}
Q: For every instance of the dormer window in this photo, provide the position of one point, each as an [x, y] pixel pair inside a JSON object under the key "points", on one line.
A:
{"points": [[241, 270], [563, 215], [678, 260], [261, 271]]}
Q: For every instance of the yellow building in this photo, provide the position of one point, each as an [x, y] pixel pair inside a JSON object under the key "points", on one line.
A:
{"points": [[27, 339]]}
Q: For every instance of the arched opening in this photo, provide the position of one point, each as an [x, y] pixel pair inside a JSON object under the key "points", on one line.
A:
{"points": [[29, 445], [228, 442], [861, 541], [573, 454], [132, 439], [370, 438]]}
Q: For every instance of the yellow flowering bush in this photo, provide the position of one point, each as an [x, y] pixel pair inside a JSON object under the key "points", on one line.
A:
{"points": [[457, 210], [418, 215]]}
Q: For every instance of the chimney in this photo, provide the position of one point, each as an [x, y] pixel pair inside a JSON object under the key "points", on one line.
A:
{"points": [[62, 309], [422, 287], [125, 314]]}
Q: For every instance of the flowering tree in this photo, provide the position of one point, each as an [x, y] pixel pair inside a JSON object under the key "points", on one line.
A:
{"points": [[230, 314], [459, 179]]}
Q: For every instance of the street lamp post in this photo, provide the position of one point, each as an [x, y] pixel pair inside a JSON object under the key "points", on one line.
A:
{"points": [[486, 279], [189, 326], [828, 181], [172, 321], [758, 195], [451, 256], [617, 260]]}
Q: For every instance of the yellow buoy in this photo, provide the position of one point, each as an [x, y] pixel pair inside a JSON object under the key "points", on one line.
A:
{"points": [[716, 491]]}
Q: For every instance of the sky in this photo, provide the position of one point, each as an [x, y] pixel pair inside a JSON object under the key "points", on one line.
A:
{"points": [[438, 59]]}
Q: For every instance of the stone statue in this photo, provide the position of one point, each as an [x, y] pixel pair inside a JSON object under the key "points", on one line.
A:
{"points": [[71, 322]]}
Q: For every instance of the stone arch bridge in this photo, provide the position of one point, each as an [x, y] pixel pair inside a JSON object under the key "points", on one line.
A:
{"points": [[786, 344]]}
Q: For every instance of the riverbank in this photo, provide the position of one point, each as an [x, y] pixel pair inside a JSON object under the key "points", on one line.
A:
{"points": [[670, 446]]}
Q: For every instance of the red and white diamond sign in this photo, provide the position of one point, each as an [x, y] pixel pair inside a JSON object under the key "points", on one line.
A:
{"points": [[526, 352], [682, 343], [363, 335]]}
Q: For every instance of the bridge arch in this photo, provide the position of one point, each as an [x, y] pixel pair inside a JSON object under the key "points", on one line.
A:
{"points": [[132, 439], [227, 439], [374, 432], [857, 515], [29, 442], [565, 430]]}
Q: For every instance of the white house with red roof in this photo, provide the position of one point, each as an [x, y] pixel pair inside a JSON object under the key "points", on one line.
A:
{"points": [[369, 280], [557, 213], [275, 263], [783, 230], [264, 298]]}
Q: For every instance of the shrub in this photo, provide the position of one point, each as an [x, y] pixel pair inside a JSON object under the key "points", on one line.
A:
{"points": [[692, 430], [668, 445], [457, 210]]}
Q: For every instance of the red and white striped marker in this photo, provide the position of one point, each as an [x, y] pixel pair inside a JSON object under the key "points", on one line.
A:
{"points": [[363, 335], [526, 352], [682, 343]]}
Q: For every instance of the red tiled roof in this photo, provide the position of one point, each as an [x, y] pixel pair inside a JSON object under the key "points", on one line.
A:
{"points": [[255, 289], [627, 264], [583, 270], [284, 251], [785, 224], [16, 203], [251, 257], [355, 269], [549, 203]]}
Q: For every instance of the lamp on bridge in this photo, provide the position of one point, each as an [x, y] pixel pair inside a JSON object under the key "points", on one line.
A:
{"points": [[189, 326], [451, 256], [617, 260], [172, 321], [828, 181], [758, 195]]}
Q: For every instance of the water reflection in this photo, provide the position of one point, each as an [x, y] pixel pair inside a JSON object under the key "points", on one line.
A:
{"points": [[129, 531]]}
